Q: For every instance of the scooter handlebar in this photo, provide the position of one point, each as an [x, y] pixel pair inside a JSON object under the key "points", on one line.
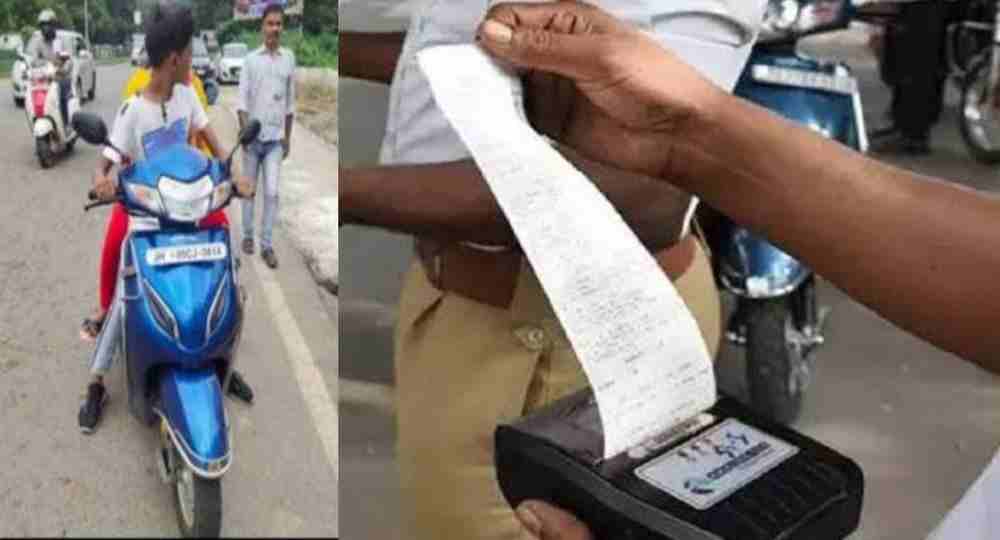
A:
{"points": [[92, 196]]}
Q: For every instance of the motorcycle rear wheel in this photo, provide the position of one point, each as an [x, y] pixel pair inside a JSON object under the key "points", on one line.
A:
{"points": [[772, 364]]}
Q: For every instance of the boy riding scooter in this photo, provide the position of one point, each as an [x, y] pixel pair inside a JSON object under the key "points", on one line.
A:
{"points": [[165, 107], [140, 80]]}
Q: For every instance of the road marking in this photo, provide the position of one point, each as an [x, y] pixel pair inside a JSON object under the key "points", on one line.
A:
{"points": [[307, 373], [380, 396], [310, 379]]}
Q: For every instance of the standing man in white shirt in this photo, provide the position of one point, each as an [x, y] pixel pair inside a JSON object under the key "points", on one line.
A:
{"points": [[267, 93], [477, 342]]}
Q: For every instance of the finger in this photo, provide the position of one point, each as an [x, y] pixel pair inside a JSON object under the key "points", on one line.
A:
{"points": [[557, 38], [548, 100], [546, 522], [564, 16], [568, 55]]}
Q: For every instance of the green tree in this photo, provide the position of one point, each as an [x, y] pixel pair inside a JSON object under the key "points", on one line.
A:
{"points": [[320, 16], [209, 14]]}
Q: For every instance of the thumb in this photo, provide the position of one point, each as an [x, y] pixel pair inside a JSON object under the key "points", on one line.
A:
{"points": [[546, 522], [557, 38]]}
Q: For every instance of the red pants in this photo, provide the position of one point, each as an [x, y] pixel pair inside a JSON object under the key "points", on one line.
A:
{"points": [[115, 236]]}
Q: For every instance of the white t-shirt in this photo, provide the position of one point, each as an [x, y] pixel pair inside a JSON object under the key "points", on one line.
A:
{"points": [[714, 36], [143, 124]]}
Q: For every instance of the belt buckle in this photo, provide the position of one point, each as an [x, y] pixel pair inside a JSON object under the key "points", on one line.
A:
{"points": [[436, 265], [430, 254]]}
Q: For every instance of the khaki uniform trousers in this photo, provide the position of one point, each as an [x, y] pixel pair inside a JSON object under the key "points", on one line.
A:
{"points": [[462, 367]]}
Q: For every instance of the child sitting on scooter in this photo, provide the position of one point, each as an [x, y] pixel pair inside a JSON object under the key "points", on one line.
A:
{"points": [[140, 79], [165, 104]]}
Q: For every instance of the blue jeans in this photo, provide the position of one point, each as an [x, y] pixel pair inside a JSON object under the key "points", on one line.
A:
{"points": [[262, 159], [110, 336]]}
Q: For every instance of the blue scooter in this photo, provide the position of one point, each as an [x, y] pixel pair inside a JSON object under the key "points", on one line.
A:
{"points": [[776, 317], [178, 315]]}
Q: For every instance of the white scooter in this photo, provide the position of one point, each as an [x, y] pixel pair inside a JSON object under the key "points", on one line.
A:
{"points": [[53, 135]]}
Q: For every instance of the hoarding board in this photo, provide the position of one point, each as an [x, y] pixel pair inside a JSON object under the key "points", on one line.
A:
{"points": [[253, 9]]}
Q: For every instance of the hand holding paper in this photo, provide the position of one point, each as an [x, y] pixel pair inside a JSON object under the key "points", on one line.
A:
{"points": [[639, 345], [621, 72]]}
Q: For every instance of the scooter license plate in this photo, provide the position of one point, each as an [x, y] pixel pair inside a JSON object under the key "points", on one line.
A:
{"points": [[191, 253], [800, 78]]}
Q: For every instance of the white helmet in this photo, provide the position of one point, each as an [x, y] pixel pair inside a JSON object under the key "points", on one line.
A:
{"points": [[47, 16]]}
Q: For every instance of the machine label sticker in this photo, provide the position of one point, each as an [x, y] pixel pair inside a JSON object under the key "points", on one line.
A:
{"points": [[708, 468]]}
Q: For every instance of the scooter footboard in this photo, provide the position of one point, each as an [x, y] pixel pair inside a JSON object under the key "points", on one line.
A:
{"points": [[191, 402]]}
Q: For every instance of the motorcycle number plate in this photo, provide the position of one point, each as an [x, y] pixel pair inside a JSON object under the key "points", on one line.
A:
{"points": [[191, 253], [707, 469], [799, 78]]}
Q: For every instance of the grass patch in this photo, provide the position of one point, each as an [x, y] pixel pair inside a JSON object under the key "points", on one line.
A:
{"points": [[115, 60], [317, 109], [6, 66], [319, 95], [7, 59]]}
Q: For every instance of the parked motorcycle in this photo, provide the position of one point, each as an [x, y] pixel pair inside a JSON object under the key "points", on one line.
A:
{"points": [[777, 316], [53, 135], [973, 67], [178, 316], [974, 61]]}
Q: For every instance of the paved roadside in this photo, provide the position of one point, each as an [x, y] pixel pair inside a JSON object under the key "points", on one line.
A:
{"points": [[308, 198], [58, 482]]}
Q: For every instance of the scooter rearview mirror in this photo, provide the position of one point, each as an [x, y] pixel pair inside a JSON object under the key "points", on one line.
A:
{"points": [[250, 132], [247, 135], [90, 127]]}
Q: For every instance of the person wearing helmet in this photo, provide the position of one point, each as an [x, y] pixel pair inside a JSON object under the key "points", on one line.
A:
{"points": [[45, 46]]}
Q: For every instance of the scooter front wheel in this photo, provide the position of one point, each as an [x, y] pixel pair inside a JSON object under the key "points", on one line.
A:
{"points": [[199, 503], [773, 365]]}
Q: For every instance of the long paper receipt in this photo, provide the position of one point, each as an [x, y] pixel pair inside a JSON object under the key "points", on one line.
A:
{"points": [[638, 343]]}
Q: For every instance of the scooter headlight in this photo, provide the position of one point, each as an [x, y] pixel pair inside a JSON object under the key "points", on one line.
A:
{"points": [[820, 14], [779, 20], [187, 202], [785, 19], [39, 74], [148, 197]]}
